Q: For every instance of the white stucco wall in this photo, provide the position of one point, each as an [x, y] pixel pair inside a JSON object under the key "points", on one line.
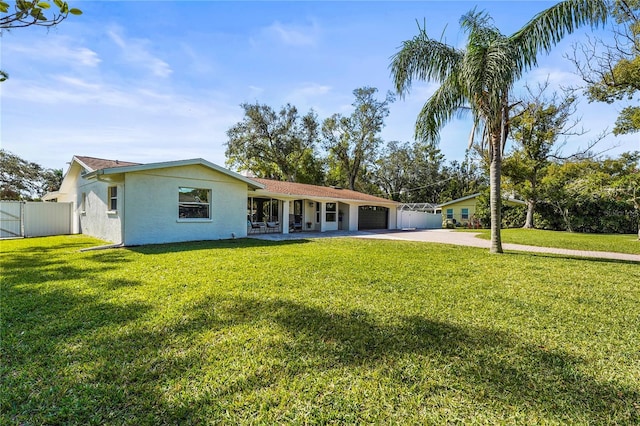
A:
{"points": [[329, 226], [344, 212], [310, 216], [353, 217], [393, 217], [97, 219], [68, 193], [151, 199], [94, 217]]}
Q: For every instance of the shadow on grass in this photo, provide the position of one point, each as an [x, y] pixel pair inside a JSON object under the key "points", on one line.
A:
{"points": [[37, 246], [490, 362], [568, 257], [209, 245], [46, 366], [487, 365], [41, 267]]}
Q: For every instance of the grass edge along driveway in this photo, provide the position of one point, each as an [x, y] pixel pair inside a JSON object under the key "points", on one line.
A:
{"points": [[614, 243]]}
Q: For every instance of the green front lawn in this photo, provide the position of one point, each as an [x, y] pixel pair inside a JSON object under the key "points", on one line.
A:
{"points": [[314, 332], [618, 243]]}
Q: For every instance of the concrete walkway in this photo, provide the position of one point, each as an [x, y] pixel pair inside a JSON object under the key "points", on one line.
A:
{"points": [[446, 236]]}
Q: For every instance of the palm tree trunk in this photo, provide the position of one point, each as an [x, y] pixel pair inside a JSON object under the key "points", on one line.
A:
{"points": [[495, 204]]}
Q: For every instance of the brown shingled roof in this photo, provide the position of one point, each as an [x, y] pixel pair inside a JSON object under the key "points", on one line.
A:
{"points": [[101, 163], [310, 191]]}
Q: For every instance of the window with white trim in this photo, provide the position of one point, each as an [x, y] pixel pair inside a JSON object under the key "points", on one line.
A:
{"points": [[330, 212], [112, 196], [449, 213], [194, 203], [465, 214]]}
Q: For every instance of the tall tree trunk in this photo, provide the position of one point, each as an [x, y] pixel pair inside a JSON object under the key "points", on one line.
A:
{"points": [[495, 171], [352, 182], [636, 205], [531, 207], [565, 217]]}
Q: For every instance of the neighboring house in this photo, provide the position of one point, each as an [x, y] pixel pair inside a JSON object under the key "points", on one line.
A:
{"points": [[462, 211], [132, 204]]}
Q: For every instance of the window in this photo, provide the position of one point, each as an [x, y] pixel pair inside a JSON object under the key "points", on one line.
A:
{"points": [[317, 212], [465, 214], [449, 213], [194, 203], [113, 198], [331, 212], [83, 206]]}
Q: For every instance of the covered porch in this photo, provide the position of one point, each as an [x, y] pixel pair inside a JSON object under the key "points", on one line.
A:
{"points": [[288, 215]]}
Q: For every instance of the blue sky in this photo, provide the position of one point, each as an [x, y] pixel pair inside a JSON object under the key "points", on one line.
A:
{"points": [[158, 81]]}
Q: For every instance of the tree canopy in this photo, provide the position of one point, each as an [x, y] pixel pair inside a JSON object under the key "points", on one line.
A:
{"points": [[352, 141], [537, 124], [24, 180], [25, 13], [589, 195], [275, 144], [611, 70]]}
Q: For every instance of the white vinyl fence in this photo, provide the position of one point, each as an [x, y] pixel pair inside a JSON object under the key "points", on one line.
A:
{"points": [[419, 220], [34, 219]]}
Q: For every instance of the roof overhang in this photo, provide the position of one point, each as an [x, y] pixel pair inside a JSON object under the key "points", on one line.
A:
{"points": [[287, 196], [457, 200], [114, 171], [51, 195]]}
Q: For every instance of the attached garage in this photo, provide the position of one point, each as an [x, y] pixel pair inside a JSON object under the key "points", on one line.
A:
{"points": [[373, 217]]}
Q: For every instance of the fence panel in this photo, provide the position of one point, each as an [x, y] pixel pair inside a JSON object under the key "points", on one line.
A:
{"points": [[10, 219], [419, 220], [42, 219]]}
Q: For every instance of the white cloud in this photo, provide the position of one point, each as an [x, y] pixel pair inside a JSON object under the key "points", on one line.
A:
{"points": [[57, 49], [255, 90], [199, 63], [311, 90], [89, 117], [557, 78], [136, 52], [309, 95], [294, 35]]}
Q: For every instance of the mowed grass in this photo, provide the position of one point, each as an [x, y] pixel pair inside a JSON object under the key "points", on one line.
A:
{"points": [[327, 331], [617, 243]]}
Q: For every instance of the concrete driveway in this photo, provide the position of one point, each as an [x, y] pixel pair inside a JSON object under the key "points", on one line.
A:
{"points": [[447, 236]]}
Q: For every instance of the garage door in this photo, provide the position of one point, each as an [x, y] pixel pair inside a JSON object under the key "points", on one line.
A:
{"points": [[373, 217]]}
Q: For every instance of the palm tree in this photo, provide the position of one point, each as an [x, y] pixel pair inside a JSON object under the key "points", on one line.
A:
{"points": [[480, 77]]}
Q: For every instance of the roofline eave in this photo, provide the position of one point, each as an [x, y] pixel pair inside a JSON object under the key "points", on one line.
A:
{"points": [[322, 198]]}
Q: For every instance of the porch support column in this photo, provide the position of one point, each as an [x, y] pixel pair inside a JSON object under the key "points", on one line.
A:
{"points": [[323, 216], [353, 217], [260, 210], [285, 217]]}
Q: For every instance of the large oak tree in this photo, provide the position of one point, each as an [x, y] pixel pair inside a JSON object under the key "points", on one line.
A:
{"points": [[275, 144]]}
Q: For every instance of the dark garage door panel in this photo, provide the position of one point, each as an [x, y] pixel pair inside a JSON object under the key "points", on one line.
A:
{"points": [[373, 217]]}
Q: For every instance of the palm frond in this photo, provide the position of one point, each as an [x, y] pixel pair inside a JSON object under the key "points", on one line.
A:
{"points": [[478, 24], [548, 27], [438, 110], [424, 59]]}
